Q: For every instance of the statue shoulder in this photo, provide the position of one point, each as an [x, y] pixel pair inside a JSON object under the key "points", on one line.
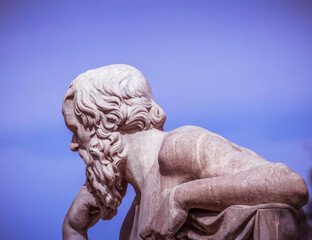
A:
{"points": [[203, 153], [187, 136], [179, 151], [189, 132]]}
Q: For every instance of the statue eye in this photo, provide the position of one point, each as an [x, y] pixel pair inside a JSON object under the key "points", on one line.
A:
{"points": [[72, 128]]}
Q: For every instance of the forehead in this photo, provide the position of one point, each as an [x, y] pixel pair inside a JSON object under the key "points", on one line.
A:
{"points": [[68, 113]]}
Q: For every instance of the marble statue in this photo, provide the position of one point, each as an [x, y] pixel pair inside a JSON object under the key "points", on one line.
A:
{"points": [[190, 183]]}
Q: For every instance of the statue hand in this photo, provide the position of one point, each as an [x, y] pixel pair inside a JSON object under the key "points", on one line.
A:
{"points": [[167, 221], [81, 215]]}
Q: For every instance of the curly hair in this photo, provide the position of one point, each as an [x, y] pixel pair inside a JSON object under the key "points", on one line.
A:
{"points": [[109, 101]]}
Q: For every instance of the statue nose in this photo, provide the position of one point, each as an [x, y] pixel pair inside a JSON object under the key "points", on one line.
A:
{"points": [[74, 145]]}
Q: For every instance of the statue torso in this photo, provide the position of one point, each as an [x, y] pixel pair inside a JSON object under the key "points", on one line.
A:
{"points": [[187, 153]]}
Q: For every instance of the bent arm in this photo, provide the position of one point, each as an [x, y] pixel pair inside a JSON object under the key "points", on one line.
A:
{"points": [[267, 183], [81, 215], [69, 232]]}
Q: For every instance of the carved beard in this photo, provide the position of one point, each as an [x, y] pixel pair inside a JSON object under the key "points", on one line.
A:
{"points": [[108, 194]]}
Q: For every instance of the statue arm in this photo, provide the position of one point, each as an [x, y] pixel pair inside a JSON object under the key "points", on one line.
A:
{"points": [[232, 175], [226, 175], [267, 183], [81, 215]]}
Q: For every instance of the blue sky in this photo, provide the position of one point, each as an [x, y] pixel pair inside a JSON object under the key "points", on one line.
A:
{"points": [[241, 69]]}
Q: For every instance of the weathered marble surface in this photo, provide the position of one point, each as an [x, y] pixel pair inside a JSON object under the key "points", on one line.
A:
{"points": [[190, 183]]}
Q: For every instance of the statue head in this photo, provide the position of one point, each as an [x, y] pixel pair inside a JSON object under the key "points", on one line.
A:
{"points": [[99, 107]]}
